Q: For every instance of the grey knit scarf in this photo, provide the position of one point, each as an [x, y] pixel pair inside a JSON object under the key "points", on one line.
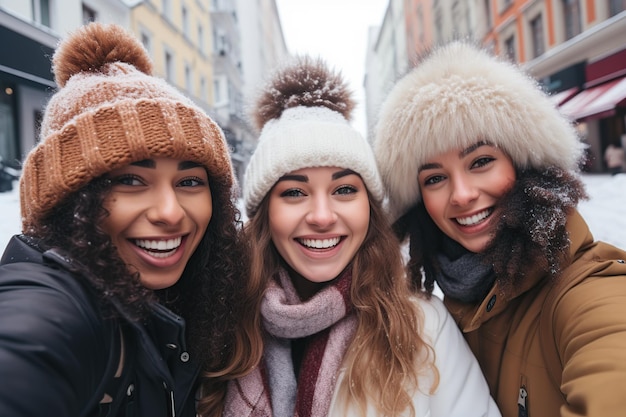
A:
{"points": [[462, 276]]}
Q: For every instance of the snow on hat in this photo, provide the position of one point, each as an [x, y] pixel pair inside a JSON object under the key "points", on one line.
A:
{"points": [[108, 112], [458, 95], [303, 113]]}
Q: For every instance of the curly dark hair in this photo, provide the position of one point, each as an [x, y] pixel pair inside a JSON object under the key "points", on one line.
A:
{"points": [[208, 295]]}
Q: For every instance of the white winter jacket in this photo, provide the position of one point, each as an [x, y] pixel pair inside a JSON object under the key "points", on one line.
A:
{"points": [[462, 389]]}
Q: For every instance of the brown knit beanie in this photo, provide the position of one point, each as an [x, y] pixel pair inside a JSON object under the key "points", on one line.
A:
{"points": [[108, 112]]}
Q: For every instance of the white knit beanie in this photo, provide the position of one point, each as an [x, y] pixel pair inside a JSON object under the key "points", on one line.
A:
{"points": [[303, 113], [457, 96]]}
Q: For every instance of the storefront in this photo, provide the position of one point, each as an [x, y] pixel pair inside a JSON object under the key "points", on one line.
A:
{"points": [[600, 107], [26, 81]]}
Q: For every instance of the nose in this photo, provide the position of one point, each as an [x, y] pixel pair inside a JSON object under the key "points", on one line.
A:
{"points": [[321, 213], [166, 209], [463, 192]]}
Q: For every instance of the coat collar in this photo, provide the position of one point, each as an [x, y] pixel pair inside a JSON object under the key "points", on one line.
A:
{"points": [[471, 316]]}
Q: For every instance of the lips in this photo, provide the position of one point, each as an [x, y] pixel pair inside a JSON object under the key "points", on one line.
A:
{"points": [[159, 248], [320, 243], [474, 219]]}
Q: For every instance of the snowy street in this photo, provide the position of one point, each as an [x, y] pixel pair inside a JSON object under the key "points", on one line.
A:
{"points": [[605, 211]]}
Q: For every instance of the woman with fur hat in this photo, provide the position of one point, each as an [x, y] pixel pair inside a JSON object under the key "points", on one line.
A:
{"points": [[342, 335], [481, 174], [122, 295]]}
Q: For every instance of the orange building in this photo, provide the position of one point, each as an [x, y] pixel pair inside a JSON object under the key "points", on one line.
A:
{"points": [[575, 48]]}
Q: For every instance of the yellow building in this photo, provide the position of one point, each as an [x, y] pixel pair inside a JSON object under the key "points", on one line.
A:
{"points": [[177, 35]]}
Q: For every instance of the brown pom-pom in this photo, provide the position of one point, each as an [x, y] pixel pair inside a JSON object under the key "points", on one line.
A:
{"points": [[306, 82], [94, 45]]}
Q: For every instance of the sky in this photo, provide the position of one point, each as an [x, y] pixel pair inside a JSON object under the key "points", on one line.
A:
{"points": [[335, 30]]}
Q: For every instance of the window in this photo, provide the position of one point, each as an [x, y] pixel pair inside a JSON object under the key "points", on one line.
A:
{"points": [[571, 12], [217, 92], [185, 17], [509, 48], [169, 67], [188, 83], [220, 43], [438, 24], [146, 40], [89, 15], [201, 44], [203, 93], [536, 31], [166, 6], [8, 122], [420, 24], [456, 17], [616, 6], [41, 12]]}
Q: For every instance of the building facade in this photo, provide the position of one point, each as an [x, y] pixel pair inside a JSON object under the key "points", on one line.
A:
{"points": [[198, 46], [30, 30], [574, 48]]}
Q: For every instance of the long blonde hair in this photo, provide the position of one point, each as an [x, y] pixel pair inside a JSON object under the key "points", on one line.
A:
{"points": [[388, 354]]}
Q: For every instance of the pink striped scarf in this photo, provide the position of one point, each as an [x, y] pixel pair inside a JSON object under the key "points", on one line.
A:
{"points": [[272, 389]]}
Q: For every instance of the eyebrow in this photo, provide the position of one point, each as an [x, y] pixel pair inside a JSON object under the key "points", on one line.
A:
{"points": [[472, 148], [288, 177], [304, 178], [462, 154], [343, 173], [150, 163]]}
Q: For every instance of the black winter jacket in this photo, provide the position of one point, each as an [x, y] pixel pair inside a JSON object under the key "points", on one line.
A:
{"points": [[58, 355]]}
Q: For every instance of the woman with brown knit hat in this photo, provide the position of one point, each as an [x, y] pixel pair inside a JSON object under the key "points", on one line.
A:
{"points": [[481, 174], [343, 335], [122, 295]]}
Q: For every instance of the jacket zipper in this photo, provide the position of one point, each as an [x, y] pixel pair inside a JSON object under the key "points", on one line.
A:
{"points": [[521, 402], [172, 407]]}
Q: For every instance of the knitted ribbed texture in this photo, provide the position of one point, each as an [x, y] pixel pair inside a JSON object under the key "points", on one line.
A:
{"points": [[307, 137], [107, 117], [303, 113], [328, 323]]}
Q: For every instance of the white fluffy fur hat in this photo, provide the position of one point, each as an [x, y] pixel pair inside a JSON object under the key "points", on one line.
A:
{"points": [[457, 96], [303, 113]]}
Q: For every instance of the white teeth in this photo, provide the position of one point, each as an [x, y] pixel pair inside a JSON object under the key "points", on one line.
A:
{"points": [[472, 220], [320, 243], [150, 245]]}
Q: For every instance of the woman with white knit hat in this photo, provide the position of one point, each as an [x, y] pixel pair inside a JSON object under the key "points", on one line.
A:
{"points": [[122, 297], [481, 174], [343, 336]]}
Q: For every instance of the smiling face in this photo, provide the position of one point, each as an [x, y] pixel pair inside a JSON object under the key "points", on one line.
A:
{"points": [[159, 211], [318, 220], [461, 190]]}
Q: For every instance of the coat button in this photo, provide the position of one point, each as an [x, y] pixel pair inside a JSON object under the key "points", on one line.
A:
{"points": [[184, 357], [491, 303], [130, 390]]}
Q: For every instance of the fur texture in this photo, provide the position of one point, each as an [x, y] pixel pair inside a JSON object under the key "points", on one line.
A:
{"points": [[93, 46], [456, 96], [308, 83]]}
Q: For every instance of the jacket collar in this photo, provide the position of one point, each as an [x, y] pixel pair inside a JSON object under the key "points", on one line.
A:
{"points": [[470, 316]]}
